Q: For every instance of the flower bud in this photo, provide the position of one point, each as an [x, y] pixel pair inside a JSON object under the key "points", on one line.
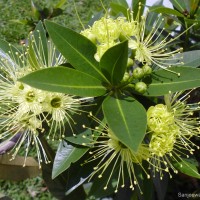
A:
{"points": [[130, 62], [138, 73], [126, 77], [141, 87], [147, 70]]}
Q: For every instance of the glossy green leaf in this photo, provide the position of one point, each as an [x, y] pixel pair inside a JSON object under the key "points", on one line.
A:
{"points": [[55, 186], [188, 166], [152, 16], [135, 5], [126, 117], [117, 8], [114, 61], [65, 80], [180, 5], [164, 10], [77, 49], [65, 155], [61, 183], [163, 81], [191, 58]]}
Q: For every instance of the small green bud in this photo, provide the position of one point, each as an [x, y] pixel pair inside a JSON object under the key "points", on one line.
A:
{"points": [[138, 73], [130, 62], [131, 85], [126, 77], [147, 70], [141, 87]]}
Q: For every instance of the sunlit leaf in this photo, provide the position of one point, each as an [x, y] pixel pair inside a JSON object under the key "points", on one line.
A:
{"points": [[8, 51], [188, 166], [65, 80], [65, 155], [117, 8], [114, 61], [163, 81], [126, 117], [77, 49], [152, 16], [164, 10], [191, 58]]}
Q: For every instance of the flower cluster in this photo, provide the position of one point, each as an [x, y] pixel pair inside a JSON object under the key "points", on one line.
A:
{"points": [[171, 126], [27, 110], [147, 49], [133, 141], [113, 155]]}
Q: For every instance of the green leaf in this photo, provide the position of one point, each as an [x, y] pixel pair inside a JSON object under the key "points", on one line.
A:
{"points": [[152, 16], [191, 58], [135, 5], [61, 183], [7, 50], [180, 5], [38, 47], [65, 80], [75, 131], [117, 8], [77, 49], [32, 57], [126, 117], [114, 61], [168, 11], [188, 166], [65, 155], [121, 2], [164, 81]]}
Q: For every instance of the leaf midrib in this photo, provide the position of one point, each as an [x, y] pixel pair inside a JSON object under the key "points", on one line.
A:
{"points": [[82, 56], [168, 83], [66, 86]]}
